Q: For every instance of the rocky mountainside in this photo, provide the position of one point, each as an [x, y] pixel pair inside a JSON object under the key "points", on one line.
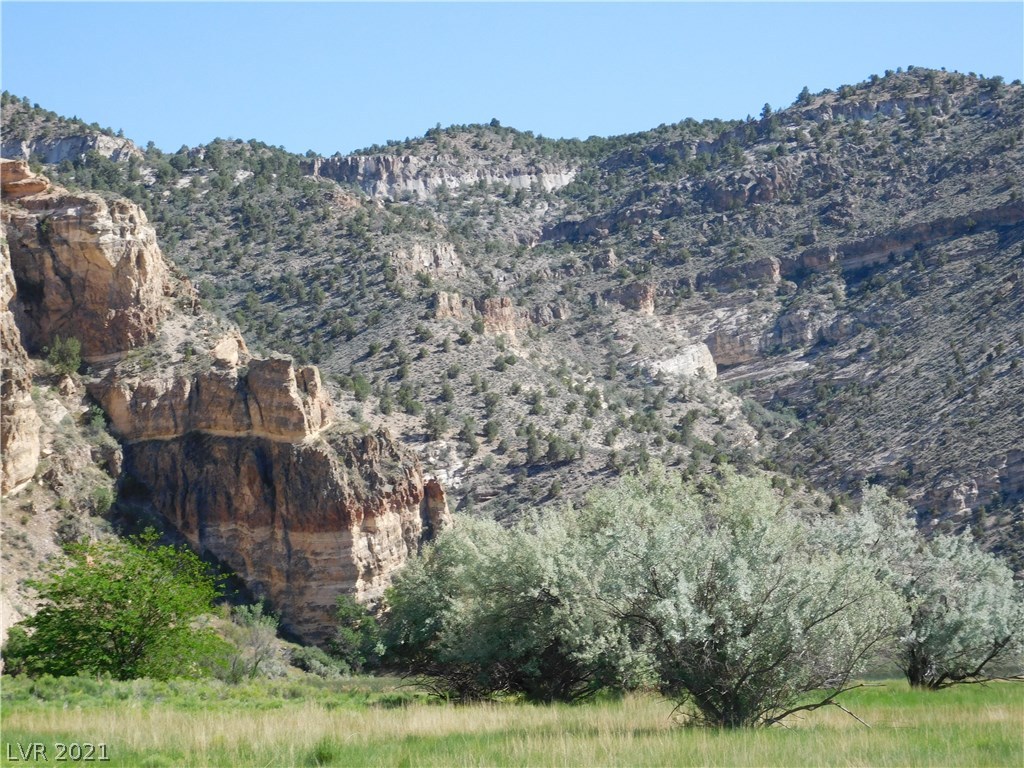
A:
{"points": [[832, 291], [241, 456]]}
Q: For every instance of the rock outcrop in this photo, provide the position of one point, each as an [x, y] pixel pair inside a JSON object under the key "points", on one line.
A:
{"points": [[434, 259], [750, 274], [500, 314], [734, 346], [635, 296], [19, 421], [60, 148], [738, 190], [242, 457], [693, 360], [301, 524], [881, 249], [84, 267], [958, 498], [269, 398], [392, 176]]}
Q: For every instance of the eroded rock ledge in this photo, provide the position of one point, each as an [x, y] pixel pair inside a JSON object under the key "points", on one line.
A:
{"points": [[391, 176], [299, 523], [267, 398]]}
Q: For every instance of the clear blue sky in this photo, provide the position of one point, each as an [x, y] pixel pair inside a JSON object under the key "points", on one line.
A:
{"points": [[337, 77]]}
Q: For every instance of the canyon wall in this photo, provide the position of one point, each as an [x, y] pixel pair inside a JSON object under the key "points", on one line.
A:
{"points": [[19, 421], [240, 455]]}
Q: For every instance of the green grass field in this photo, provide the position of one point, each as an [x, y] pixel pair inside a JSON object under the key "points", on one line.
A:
{"points": [[374, 721]]}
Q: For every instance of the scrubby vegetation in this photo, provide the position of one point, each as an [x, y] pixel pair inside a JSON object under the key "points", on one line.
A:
{"points": [[742, 606], [351, 276], [724, 595]]}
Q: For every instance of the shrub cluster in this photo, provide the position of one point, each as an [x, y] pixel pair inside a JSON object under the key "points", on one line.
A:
{"points": [[723, 595]]}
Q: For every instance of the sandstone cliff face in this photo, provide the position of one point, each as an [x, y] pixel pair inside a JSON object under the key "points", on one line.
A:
{"points": [[19, 421], [635, 296], [243, 458], [268, 399], [84, 266], [391, 176], [435, 259], [500, 314], [300, 524]]}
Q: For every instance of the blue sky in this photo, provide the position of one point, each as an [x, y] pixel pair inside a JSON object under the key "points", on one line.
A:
{"points": [[341, 76]]}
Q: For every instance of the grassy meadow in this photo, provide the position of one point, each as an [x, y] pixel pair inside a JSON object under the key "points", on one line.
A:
{"points": [[377, 722]]}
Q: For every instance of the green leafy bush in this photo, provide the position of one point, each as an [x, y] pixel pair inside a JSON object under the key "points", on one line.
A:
{"points": [[123, 608], [65, 355], [356, 641]]}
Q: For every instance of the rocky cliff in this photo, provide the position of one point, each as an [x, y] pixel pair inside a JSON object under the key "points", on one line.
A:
{"points": [[299, 523], [84, 266], [242, 456], [57, 149], [19, 422], [392, 176], [499, 314]]}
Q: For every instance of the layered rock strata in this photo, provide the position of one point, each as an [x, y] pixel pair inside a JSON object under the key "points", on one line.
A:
{"points": [[243, 459], [301, 524], [500, 314], [268, 398], [239, 454]]}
